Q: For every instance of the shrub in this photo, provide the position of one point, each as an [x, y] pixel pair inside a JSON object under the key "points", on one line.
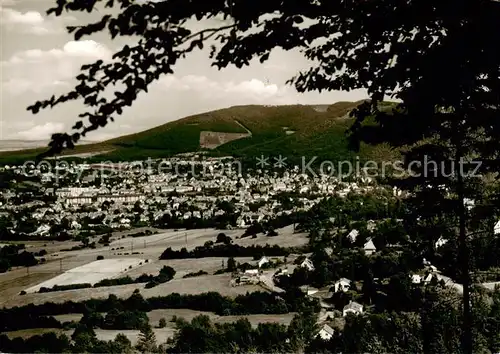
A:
{"points": [[151, 284], [272, 233], [196, 274], [162, 323]]}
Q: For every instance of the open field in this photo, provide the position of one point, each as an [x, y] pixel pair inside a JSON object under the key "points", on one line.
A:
{"points": [[156, 244], [148, 247], [69, 317], [26, 333], [161, 334], [285, 238], [197, 285], [185, 266], [188, 315], [90, 273]]}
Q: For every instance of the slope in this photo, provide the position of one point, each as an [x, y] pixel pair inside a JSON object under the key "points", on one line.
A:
{"points": [[293, 131]]}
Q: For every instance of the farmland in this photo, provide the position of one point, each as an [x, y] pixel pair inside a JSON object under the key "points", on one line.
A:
{"points": [[90, 273], [69, 267]]}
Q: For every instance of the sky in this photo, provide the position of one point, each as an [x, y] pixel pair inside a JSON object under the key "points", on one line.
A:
{"points": [[38, 59]]}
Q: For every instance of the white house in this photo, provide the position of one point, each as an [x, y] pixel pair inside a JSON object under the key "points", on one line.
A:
{"points": [[416, 279], [353, 235], [308, 289], [496, 229], [252, 272], [342, 285], [306, 263], [371, 225], [263, 261], [75, 225], [326, 332], [427, 278], [440, 242], [352, 307], [42, 230], [369, 247]]}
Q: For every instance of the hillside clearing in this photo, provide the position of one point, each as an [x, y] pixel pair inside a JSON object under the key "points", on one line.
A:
{"points": [[197, 285], [90, 273]]}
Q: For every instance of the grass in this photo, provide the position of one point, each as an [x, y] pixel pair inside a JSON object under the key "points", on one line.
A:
{"points": [[315, 133], [27, 333]]}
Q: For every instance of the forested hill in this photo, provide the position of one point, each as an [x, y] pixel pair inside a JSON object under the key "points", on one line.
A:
{"points": [[241, 131]]}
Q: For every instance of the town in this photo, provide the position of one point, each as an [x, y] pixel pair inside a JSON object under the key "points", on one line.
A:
{"points": [[208, 228], [249, 177]]}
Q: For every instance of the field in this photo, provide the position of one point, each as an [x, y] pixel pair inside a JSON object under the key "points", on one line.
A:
{"points": [[69, 267], [60, 266], [26, 333], [90, 273], [162, 334], [197, 285]]}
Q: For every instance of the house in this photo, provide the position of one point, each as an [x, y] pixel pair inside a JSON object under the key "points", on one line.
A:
{"points": [[440, 242], [329, 251], [306, 263], [496, 229], [353, 235], [75, 225], [322, 294], [263, 261], [308, 290], [371, 225], [469, 203], [252, 272], [352, 307], [427, 278], [326, 332], [369, 247], [42, 230], [343, 284], [416, 279]]}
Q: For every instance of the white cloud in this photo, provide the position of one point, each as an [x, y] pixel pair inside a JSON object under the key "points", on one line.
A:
{"points": [[19, 86], [73, 49], [32, 22], [36, 70], [228, 93], [7, 2], [27, 18], [85, 48], [41, 132]]}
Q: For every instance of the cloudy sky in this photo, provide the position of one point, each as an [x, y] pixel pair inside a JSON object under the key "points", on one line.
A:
{"points": [[39, 58]]}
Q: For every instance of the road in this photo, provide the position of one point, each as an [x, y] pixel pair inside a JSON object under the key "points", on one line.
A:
{"points": [[266, 278]]}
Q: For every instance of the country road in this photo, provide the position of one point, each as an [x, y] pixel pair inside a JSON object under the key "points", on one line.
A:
{"points": [[448, 281]]}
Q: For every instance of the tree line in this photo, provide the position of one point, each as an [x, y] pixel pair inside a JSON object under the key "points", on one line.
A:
{"points": [[226, 250], [39, 316]]}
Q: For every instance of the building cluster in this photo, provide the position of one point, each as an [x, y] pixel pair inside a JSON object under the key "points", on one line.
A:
{"points": [[83, 196]]}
